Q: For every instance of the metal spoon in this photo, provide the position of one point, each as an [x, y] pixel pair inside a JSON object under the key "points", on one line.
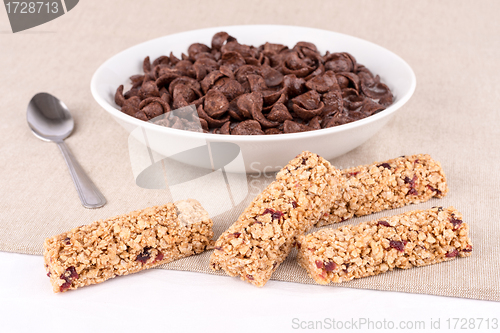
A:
{"points": [[50, 120]]}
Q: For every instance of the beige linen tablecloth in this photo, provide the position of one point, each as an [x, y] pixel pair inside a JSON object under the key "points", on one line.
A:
{"points": [[453, 47]]}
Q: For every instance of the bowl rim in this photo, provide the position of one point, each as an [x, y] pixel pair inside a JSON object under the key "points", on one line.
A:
{"points": [[250, 138]]}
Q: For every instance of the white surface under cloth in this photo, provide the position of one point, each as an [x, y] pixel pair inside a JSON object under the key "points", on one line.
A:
{"points": [[172, 301]]}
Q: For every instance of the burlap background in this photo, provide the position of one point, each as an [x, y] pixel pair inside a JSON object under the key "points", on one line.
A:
{"points": [[453, 47]]}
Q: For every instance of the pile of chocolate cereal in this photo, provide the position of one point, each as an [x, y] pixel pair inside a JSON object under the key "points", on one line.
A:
{"points": [[246, 90]]}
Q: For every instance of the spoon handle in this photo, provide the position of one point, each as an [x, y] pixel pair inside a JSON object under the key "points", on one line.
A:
{"points": [[89, 194]]}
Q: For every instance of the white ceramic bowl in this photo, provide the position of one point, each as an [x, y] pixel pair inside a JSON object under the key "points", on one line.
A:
{"points": [[259, 152]]}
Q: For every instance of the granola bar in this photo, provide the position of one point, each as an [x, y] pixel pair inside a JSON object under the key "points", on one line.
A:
{"points": [[416, 238], [387, 185], [126, 244], [258, 242]]}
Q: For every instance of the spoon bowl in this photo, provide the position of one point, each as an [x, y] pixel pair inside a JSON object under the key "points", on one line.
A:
{"points": [[50, 120]]}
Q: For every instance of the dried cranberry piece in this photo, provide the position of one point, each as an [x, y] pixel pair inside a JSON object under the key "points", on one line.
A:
{"points": [[159, 256], [144, 256], [48, 274], [413, 191], [275, 214], [385, 165], [68, 276], [438, 192], [268, 211], [294, 204], [218, 248], [250, 277], [67, 241], [330, 266], [319, 264], [353, 174], [72, 272], [456, 222], [384, 223], [452, 254], [468, 248], [412, 183], [65, 286], [236, 234], [398, 245]]}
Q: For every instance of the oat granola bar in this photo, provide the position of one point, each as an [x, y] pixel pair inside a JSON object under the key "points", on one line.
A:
{"points": [[416, 238], [387, 185], [258, 242], [126, 244]]}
